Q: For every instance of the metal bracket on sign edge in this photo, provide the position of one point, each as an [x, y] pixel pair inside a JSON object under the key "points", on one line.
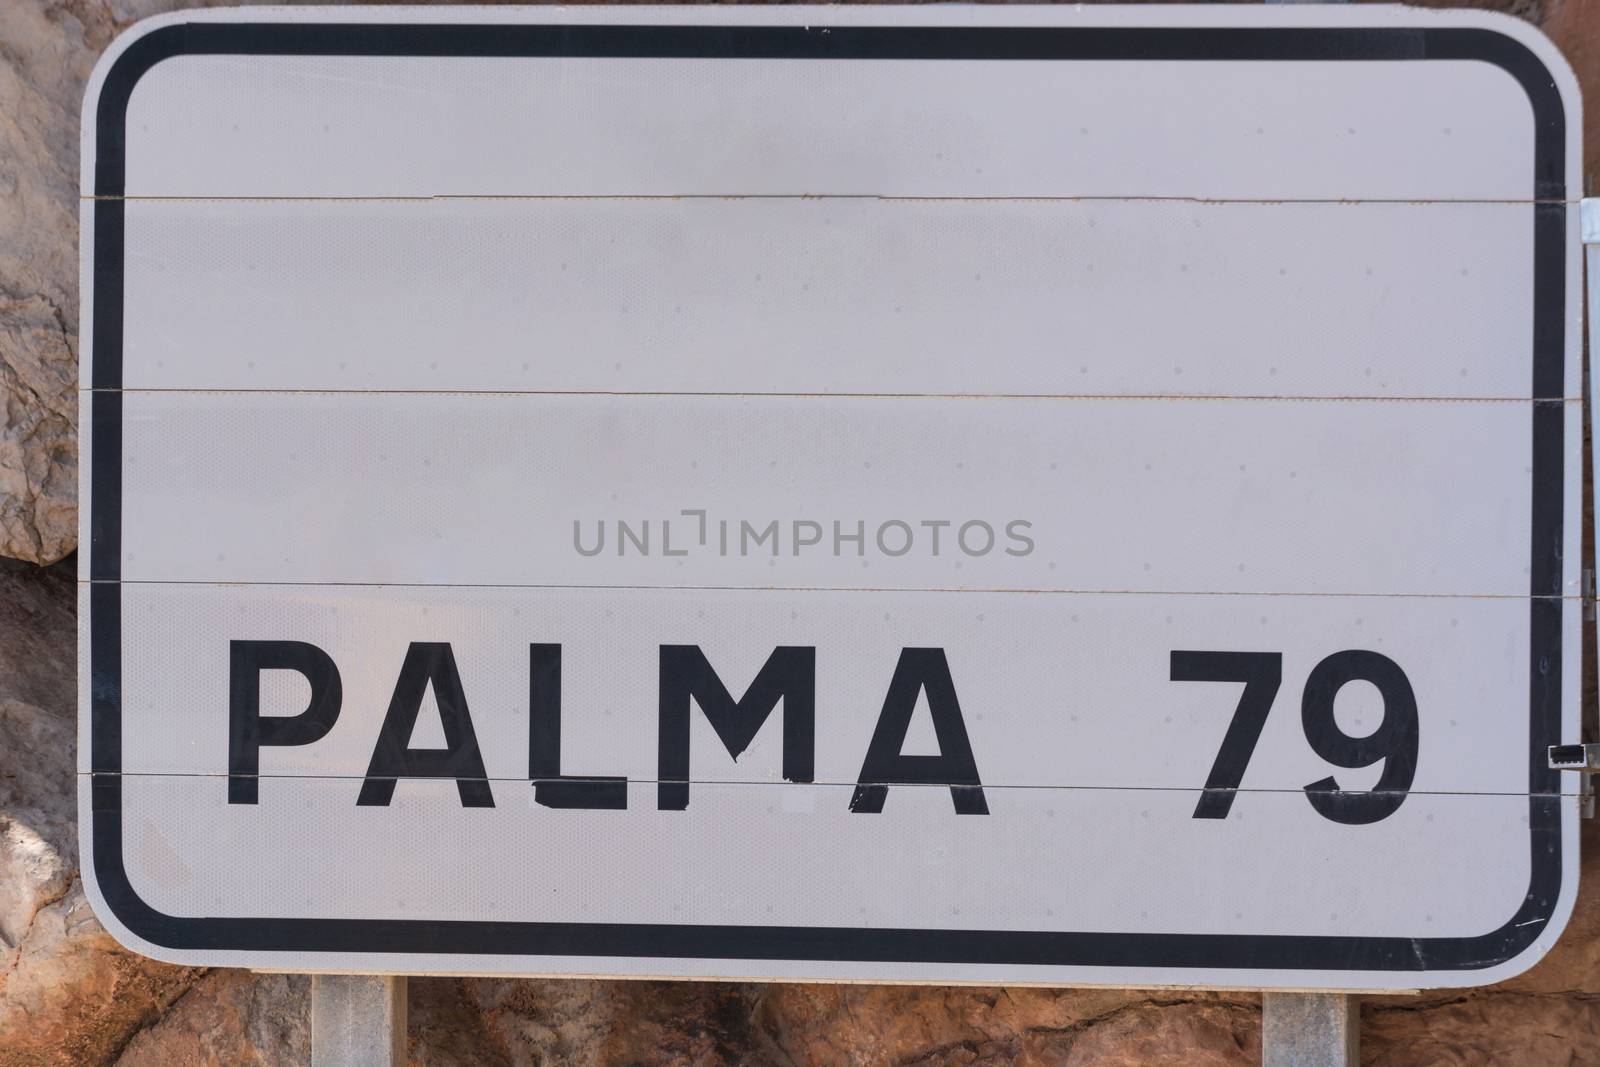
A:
{"points": [[1589, 220], [1585, 759]]}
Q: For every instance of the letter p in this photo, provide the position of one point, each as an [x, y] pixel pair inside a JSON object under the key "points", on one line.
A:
{"points": [[248, 730]]}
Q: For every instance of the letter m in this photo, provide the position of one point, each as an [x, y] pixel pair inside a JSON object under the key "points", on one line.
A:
{"points": [[789, 675]]}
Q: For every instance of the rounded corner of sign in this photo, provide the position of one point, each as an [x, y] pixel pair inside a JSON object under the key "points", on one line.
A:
{"points": [[1551, 930], [131, 55], [1528, 954], [106, 913], [1513, 966], [114, 911], [139, 29], [1555, 63], [114, 57], [1539, 46], [1506, 25]]}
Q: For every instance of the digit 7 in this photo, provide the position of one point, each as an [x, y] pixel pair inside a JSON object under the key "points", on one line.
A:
{"points": [[1262, 674]]}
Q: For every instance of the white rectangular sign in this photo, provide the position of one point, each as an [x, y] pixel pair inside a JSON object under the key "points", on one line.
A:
{"points": [[1073, 495]]}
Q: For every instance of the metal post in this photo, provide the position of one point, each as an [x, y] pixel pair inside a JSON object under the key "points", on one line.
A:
{"points": [[1310, 1030], [358, 1021]]}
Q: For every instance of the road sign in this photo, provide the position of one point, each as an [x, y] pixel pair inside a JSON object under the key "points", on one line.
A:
{"points": [[939, 494]]}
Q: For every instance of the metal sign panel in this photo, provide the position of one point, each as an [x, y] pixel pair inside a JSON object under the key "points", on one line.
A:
{"points": [[936, 494]]}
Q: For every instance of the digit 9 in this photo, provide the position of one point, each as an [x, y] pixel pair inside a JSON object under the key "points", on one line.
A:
{"points": [[1394, 741]]}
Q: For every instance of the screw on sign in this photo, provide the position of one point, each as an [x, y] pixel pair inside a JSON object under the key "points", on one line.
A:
{"points": [[770, 487]]}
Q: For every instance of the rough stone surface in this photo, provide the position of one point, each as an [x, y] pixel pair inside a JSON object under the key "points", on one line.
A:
{"points": [[904, 1025], [37, 727], [229, 1017], [446, 1029], [69, 995], [74, 996], [1485, 1031], [43, 64]]}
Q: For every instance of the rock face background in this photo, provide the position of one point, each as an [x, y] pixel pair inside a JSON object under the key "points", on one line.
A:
{"points": [[70, 996]]}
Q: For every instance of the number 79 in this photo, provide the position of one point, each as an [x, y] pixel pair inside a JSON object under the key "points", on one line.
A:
{"points": [[1394, 741]]}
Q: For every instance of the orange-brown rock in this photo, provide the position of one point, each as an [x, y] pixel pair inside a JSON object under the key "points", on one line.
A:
{"points": [[1488, 1030], [231, 1017]]}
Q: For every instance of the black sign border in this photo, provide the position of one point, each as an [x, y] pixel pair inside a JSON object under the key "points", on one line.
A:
{"points": [[913, 946]]}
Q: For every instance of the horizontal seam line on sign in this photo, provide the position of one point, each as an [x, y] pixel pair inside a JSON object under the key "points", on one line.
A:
{"points": [[1284, 791], [1575, 597], [403, 198], [842, 395], [581, 779]]}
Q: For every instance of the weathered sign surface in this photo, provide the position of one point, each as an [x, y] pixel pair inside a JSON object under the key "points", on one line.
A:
{"points": [[1057, 495]]}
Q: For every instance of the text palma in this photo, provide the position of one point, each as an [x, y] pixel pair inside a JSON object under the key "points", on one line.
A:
{"points": [[687, 679]]}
